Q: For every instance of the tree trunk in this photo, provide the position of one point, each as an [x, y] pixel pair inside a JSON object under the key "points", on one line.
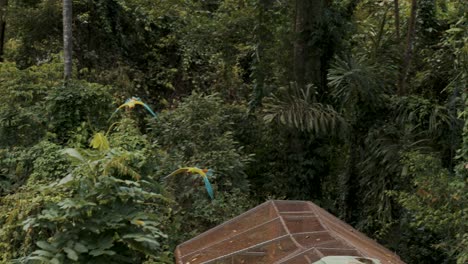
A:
{"points": [[314, 63], [397, 19], [409, 49], [350, 186], [307, 58], [380, 34], [262, 36], [300, 42], [350, 8], [67, 39], [3, 7]]}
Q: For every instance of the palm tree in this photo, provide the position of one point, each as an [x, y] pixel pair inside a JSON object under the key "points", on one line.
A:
{"points": [[355, 88]]}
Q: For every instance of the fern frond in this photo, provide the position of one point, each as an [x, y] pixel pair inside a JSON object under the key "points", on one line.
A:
{"points": [[119, 164]]}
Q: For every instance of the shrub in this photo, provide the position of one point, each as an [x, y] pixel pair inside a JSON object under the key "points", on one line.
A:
{"points": [[200, 132], [111, 213], [68, 107]]}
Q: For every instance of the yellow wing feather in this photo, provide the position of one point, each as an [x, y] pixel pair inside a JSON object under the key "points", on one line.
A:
{"points": [[197, 171], [178, 171], [194, 170]]}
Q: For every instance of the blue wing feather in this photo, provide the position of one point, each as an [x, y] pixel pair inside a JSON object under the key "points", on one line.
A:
{"points": [[149, 110], [115, 112], [208, 187]]}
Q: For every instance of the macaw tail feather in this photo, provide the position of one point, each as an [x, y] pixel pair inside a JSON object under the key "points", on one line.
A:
{"points": [[208, 187]]}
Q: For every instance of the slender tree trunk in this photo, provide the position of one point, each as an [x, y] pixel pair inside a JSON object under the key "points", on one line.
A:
{"points": [[300, 54], [262, 36], [314, 63], [67, 39], [380, 34], [3, 7], [397, 19], [307, 58], [350, 187], [409, 49]]}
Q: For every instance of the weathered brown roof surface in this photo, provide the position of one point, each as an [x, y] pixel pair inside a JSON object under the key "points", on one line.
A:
{"points": [[292, 232]]}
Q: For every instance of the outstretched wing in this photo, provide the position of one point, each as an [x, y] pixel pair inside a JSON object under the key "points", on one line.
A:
{"points": [[131, 102], [115, 112], [196, 170], [123, 105], [149, 109], [178, 171], [120, 107]]}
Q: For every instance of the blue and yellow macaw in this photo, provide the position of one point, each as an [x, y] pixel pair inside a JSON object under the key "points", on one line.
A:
{"points": [[202, 172], [132, 102]]}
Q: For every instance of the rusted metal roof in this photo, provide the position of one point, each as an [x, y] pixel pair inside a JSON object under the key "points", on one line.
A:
{"points": [[286, 232]]}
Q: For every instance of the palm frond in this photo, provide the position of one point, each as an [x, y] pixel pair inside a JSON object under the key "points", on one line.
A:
{"points": [[421, 113], [381, 167], [353, 81], [297, 108]]}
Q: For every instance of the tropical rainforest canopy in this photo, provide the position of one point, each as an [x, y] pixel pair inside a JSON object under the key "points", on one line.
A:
{"points": [[360, 106]]}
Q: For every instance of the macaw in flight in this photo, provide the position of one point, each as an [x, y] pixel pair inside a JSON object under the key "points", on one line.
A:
{"points": [[132, 102], [204, 173]]}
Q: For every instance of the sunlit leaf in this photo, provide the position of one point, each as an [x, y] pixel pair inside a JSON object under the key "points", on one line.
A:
{"points": [[100, 142]]}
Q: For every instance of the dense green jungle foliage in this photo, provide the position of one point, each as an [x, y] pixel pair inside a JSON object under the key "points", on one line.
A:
{"points": [[360, 106]]}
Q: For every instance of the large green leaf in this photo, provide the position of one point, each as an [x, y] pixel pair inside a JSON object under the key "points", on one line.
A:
{"points": [[100, 142], [74, 153], [71, 254]]}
